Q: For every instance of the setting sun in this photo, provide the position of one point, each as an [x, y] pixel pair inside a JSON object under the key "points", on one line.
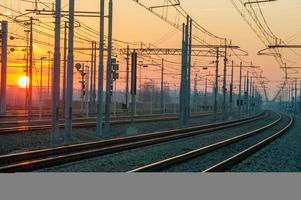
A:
{"points": [[23, 81]]}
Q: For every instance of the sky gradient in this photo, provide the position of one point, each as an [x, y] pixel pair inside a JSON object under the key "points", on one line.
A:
{"points": [[132, 23]]}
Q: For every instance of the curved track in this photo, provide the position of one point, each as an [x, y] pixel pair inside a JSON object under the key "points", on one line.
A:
{"points": [[228, 162]]}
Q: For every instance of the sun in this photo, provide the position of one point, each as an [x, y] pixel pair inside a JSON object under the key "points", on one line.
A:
{"points": [[23, 81]]}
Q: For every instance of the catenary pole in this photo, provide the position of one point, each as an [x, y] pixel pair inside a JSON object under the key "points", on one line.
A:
{"points": [[295, 99], [186, 61], [300, 100], [127, 78], [231, 85], [4, 30], [70, 65], [64, 67], [27, 70], [91, 78], [246, 95], [41, 88], [182, 87], [99, 130], [239, 92], [49, 74], [206, 89], [109, 70], [162, 88], [94, 79], [189, 49], [216, 84], [30, 69], [56, 76], [225, 80]]}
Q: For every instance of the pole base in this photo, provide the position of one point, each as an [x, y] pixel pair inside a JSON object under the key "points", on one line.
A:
{"points": [[131, 131]]}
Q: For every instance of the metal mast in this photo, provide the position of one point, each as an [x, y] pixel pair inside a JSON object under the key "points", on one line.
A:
{"points": [[240, 82], [216, 84], [56, 75], [70, 64], [225, 80], [99, 131], [162, 88], [4, 30], [109, 70], [30, 69]]}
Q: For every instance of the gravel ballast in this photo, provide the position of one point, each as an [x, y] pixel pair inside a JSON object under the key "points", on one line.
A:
{"points": [[203, 162], [282, 155], [128, 160], [22, 142]]}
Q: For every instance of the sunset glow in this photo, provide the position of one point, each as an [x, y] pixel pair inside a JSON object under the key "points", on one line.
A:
{"points": [[165, 83], [23, 81]]}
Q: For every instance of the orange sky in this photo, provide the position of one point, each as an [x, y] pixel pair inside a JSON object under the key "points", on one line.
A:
{"points": [[134, 24]]}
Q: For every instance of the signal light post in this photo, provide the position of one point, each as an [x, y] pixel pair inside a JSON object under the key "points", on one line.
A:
{"points": [[81, 69], [132, 129], [134, 83], [115, 77]]}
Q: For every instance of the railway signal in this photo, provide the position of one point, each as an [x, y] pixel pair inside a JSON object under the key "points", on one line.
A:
{"points": [[115, 74], [131, 129], [115, 77], [83, 73]]}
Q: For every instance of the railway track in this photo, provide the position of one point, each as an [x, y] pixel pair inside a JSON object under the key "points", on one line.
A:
{"points": [[33, 160], [24, 116], [35, 115], [85, 123], [165, 164], [8, 123], [5, 123]]}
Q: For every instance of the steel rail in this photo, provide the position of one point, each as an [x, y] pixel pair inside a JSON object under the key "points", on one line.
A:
{"points": [[21, 129], [157, 166], [222, 166], [30, 161], [35, 114], [48, 120]]}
